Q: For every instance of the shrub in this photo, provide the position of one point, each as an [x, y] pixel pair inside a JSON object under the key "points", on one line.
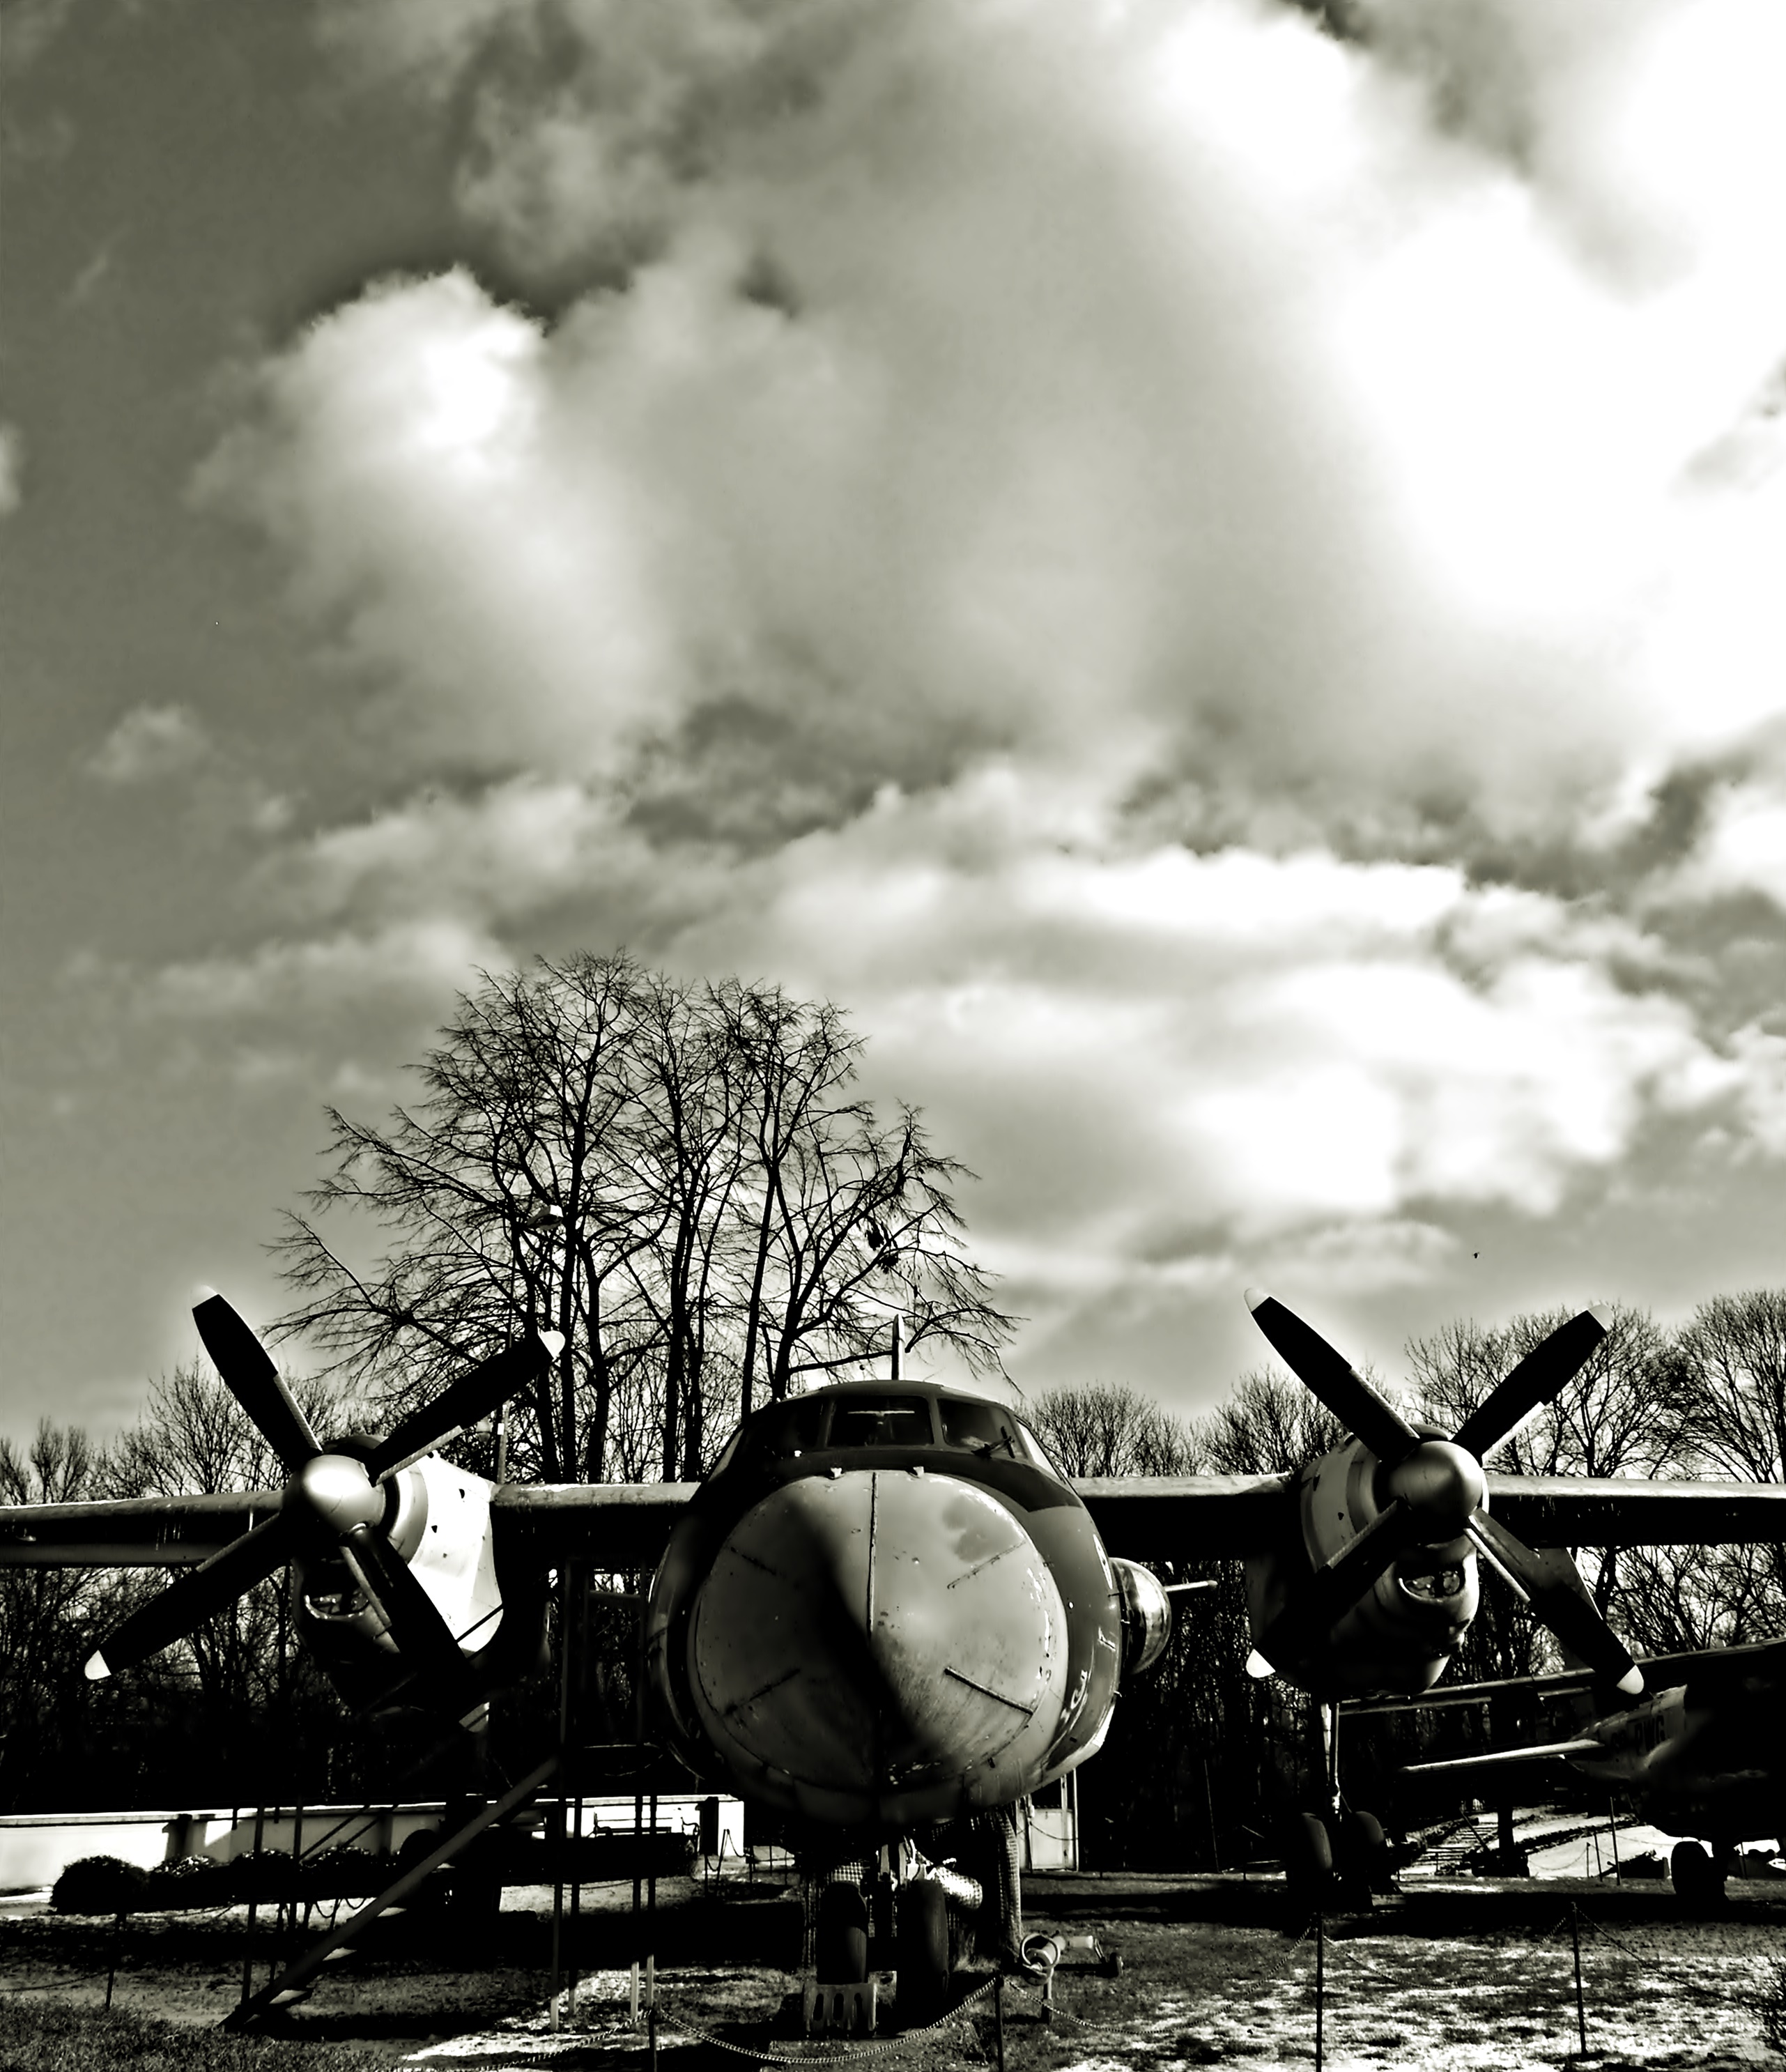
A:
{"points": [[100, 1885], [191, 1881]]}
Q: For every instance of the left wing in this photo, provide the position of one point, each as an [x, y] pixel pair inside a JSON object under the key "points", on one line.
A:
{"points": [[134, 1532]]}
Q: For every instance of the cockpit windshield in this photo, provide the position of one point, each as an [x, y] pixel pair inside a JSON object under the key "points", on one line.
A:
{"points": [[988, 1429], [881, 1421], [806, 1424]]}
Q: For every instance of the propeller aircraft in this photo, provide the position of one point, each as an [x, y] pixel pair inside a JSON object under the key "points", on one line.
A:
{"points": [[1702, 1752], [884, 1608]]}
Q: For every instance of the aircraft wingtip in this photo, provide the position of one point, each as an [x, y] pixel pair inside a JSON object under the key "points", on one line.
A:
{"points": [[1257, 1297], [552, 1341], [98, 1668], [1602, 1314], [1633, 1681], [1258, 1666]]}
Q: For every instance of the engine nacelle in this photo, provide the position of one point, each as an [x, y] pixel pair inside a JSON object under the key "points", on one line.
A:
{"points": [[437, 1519], [1147, 1615], [1400, 1634]]}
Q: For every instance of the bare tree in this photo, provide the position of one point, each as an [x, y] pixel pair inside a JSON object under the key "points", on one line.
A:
{"points": [[192, 1439], [677, 1177], [1270, 1425], [46, 1614], [1111, 1429], [1618, 1414], [1732, 1359]]}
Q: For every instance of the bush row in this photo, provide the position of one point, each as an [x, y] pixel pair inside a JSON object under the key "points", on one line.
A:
{"points": [[109, 1885]]}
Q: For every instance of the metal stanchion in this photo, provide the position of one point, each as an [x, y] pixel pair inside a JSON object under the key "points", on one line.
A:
{"points": [[253, 1901], [1581, 2005]]}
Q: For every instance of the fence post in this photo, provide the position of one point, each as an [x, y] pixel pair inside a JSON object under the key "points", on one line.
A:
{"points": [[1581, 2008]]}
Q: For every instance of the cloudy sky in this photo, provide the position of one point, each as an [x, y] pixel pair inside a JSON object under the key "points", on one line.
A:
{"points": [[1218, 585]]}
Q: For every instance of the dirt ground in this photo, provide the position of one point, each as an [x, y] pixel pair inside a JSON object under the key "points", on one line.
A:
{"points": [[1473, 1974]]}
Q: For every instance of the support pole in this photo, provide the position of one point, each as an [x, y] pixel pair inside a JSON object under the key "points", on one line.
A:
{"points": [[558, 1811], [1330, 1751], [254, 1905], [1320, 1987], [998, 2018], [1581, 2005], [393, 1895]]}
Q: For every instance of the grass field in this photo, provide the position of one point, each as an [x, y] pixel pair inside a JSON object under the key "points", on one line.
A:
{"points": [[1472, 1977]]}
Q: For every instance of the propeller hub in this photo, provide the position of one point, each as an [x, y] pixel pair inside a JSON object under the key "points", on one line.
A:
{"points": [[335, 1489], [1441, 1483]]}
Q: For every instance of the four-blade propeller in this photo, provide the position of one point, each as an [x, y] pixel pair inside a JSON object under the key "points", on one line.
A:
{"points": [[1436, 1492], [334, 1503]]}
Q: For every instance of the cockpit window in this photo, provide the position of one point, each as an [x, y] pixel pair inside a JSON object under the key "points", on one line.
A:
{"points": [[779, 1433], [879, 1420], [988, 1429], [983, 1428]]}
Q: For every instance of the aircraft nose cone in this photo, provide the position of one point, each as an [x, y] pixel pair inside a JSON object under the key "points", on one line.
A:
{"points": [[335, 1489], [1441, 1482], [871, 1634]]}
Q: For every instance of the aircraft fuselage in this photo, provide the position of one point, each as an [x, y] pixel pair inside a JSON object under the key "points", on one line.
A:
{"points": [[886, 1608]]}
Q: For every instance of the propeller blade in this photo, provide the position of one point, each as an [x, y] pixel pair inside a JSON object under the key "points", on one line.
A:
{"points": [[1559, 1599], [199, 1595], [472, 1396], [423, 1637], [1543, 1373], [1319, 1600], [250, 1376], [1328, 1375]]}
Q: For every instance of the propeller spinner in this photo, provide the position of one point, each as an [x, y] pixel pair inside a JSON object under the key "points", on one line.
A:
{"points": [[334, 1502], [1437, 1492]]}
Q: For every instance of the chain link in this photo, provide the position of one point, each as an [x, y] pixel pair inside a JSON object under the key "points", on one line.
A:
{"points": [[828, 2054]]}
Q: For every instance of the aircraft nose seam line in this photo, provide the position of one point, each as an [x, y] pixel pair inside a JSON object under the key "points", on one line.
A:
{"points": [[968, 1575], [1016, 1705], [774, 1683], [874, 1505]]}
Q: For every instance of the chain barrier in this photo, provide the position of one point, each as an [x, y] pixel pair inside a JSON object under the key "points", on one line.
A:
{"points": [[878, 2046]]}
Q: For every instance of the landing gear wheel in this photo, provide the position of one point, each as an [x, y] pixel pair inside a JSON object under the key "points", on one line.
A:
{"points": [[1361, 1857], [1696, 1878], [840, 1936], [1307, 1863], [921, 1943]]}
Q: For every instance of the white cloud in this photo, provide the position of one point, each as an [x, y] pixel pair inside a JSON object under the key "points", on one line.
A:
{"points": [[1093, 538], [12, 469], [150, 743]]}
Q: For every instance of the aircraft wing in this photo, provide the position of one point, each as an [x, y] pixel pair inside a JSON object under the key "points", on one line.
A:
{"points": [[1159, 1518], [134, 1532], [1165, 1518], [1763, 1657], [1500, 1756], [610, 1525], [1184, 1517], [1570, 1510]]}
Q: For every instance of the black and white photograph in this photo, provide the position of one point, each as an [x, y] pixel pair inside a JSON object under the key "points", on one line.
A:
{"points": [[892, 1113]]}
